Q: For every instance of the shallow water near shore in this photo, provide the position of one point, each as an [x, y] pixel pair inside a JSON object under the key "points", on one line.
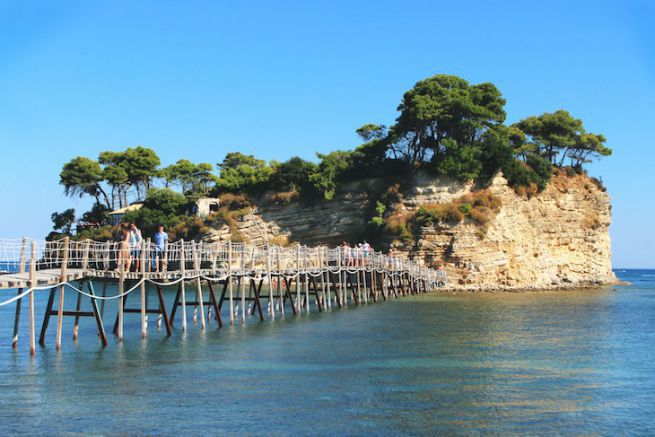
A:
{"points": [[570, 362]]}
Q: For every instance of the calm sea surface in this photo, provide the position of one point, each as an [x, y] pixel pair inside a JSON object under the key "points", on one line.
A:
{"points": [[553, 362]]}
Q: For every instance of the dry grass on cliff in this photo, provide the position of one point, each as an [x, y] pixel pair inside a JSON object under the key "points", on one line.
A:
{"points": [[279, 240], [590, 220], [480, 207], [398, 223], [283, 198], [565, 179], [233, 207]]}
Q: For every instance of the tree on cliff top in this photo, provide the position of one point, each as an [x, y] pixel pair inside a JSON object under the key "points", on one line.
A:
{"points": [[443, 118], [82, 176], [133, 168], [191, 178], [241, 173], [557, 136]]}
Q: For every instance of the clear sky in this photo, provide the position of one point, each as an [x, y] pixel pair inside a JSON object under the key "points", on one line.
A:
{"points": [[196, 79]]}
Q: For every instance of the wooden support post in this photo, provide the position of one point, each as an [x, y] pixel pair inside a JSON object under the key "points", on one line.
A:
{"points": [[32, 285], [78, 304], [242, 283], [121, 299], [321, 296], [144, 303], [297, 304], [244, 311], [357, 273], [63, 278], [229, 280], [46, 317], [182, 289], [306, 281], [279, 280], [85, 266], [338, 285], [271, 303], [325, 277], [96, 314], [197, 265], [21, 269]]}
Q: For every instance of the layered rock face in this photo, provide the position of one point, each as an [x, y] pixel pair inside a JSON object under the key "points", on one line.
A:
{"points": [[558, 238]]}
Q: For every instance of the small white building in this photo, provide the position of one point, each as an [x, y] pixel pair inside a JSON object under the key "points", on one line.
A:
{"points": [[206, 206], [116, 217]]}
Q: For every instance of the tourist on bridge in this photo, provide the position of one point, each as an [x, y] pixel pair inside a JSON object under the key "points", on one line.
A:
{"points": [[124, 252], [161, 240], [135, 244]]}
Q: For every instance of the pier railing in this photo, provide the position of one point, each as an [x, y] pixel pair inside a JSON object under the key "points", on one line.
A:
{"points": [[216, 257]]}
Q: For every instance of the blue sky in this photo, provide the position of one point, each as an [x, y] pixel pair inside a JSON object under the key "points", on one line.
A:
{"points": [[197, 79]]}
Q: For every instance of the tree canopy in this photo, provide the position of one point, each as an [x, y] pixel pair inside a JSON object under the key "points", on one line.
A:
{"points": [[82, 176], [242, 173], [191, 178], [557, 136], [442, 119]]}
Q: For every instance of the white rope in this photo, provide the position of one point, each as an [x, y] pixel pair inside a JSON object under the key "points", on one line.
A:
{"points": [[15, 298], [93, 296]]}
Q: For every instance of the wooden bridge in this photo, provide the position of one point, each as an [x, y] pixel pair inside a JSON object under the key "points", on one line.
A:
{"points": [[296, 278]]}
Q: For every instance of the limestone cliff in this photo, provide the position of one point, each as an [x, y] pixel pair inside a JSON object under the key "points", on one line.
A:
{"points": [[557, 238]]}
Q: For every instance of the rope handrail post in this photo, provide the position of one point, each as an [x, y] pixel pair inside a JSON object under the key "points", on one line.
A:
{"points": [[144, 322], [121, 289], [182, 286], [32, 284], [321, 265], [229, 280], [62, 287], [364, 285], [339, 283], [164, 263], [85, 255], [21, 269]]}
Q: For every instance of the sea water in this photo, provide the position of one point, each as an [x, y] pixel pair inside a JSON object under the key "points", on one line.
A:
{"points": [[569, 362]]}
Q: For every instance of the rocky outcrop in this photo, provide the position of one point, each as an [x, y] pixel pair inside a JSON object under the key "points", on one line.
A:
{"points": [[558, 238]]}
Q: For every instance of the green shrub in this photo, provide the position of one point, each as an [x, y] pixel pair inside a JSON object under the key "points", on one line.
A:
{"points": [[465, 208]]}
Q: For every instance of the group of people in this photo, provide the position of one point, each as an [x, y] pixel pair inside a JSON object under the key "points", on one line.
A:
{"points": [[130, 252], [356, 254]]}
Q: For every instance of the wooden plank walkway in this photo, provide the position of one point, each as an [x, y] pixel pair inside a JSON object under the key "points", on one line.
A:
{"points": [[43, 278]]}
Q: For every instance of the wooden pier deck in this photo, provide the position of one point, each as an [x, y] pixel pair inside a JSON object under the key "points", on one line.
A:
{"points": [[296, 278], [43, 278]]}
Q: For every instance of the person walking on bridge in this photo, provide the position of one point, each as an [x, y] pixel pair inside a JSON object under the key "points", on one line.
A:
{"points": [[161, 239], [135, 244]]}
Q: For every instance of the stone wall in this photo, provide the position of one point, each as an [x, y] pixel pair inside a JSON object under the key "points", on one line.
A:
{"points": [[558, 238]]}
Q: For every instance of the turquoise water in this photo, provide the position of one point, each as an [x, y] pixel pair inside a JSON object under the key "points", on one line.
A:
{"points": [[554, 362]]}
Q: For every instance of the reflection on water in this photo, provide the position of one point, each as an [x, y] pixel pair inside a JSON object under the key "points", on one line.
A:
{"points": [[567, 362]]}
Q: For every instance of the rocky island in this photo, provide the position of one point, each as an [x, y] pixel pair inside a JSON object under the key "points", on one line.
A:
{"points": [[499, 207]]}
